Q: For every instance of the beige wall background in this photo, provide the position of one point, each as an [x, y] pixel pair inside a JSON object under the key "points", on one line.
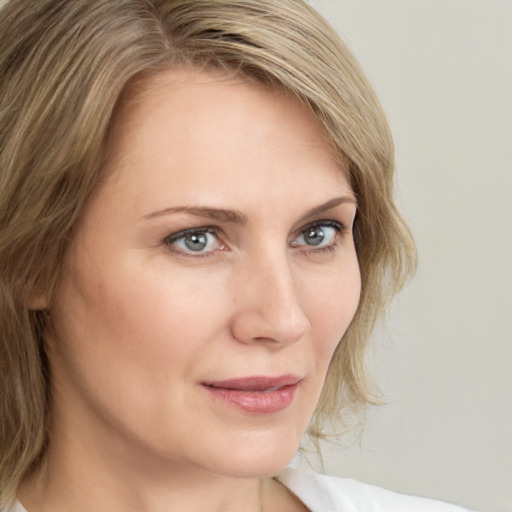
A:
{"points": [[443, 71]]}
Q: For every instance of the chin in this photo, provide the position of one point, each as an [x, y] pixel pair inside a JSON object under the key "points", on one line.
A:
{"points": [[253, 467], [261, 456]]}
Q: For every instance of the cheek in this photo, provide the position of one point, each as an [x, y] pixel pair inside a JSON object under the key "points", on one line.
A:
{"points": [[136, 314], [123, 336], [333, 306]]}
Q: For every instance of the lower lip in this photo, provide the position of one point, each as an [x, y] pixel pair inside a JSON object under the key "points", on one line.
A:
{"points": [[256, 402]]}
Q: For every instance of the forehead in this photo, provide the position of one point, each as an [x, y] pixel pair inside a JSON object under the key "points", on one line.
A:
{"points": [[191, 130], [190, 98]]}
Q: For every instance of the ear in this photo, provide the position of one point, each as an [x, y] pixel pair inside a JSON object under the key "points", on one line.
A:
{"points": [[38, 302]]}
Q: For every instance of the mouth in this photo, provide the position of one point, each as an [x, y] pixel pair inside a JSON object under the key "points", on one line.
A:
{"points": [[255, 395]]}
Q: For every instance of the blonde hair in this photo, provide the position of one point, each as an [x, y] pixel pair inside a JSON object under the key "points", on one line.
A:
{"points": [[63, 69]]}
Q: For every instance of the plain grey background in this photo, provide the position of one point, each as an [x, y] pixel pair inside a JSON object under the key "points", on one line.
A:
{"points": [[443, 72]]}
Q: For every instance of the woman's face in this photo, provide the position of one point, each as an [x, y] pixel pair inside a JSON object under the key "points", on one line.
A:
{"points": [[208, 283]]}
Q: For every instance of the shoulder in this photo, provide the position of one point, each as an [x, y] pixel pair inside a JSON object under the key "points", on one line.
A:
{"points": [[16, 507], [322, 493]]}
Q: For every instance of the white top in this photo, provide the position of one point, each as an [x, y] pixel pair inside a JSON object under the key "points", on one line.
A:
{"points": [[322, 493]]}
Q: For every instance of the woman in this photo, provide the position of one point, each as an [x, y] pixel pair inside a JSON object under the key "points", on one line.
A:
{"points": [[196, 207]]}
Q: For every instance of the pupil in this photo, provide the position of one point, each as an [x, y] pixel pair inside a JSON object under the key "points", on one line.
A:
{"points": [[314, 235], [196, 241]]}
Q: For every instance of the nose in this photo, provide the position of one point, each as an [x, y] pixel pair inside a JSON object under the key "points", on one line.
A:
{"points": [[268, 304]]}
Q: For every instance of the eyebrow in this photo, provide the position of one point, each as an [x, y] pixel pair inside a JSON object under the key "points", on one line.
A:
{"points": [[331, 204], [218, 214], [237, 217]]}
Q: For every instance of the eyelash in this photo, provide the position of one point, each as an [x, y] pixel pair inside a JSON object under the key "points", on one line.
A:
{"points": [[172, 239]]}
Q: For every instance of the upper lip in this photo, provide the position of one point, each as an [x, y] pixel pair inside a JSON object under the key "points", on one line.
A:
{"points": [[255, 383]]}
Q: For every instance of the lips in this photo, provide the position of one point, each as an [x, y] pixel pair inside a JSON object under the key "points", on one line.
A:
{"points": [[255, 383], [255, 395]]}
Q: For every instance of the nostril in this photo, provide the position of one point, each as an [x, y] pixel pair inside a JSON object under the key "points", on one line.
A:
{"points": [[269, 327]]}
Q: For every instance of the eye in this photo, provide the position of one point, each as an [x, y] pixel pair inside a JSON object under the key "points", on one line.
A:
{"points": [[194, 241], [321, 235]]}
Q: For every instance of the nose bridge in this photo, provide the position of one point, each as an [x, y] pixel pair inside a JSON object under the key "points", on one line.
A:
{"points": [[270, 302], [283, 288]]}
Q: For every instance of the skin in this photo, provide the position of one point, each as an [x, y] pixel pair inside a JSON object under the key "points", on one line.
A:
{"points": [[139, 321]]}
